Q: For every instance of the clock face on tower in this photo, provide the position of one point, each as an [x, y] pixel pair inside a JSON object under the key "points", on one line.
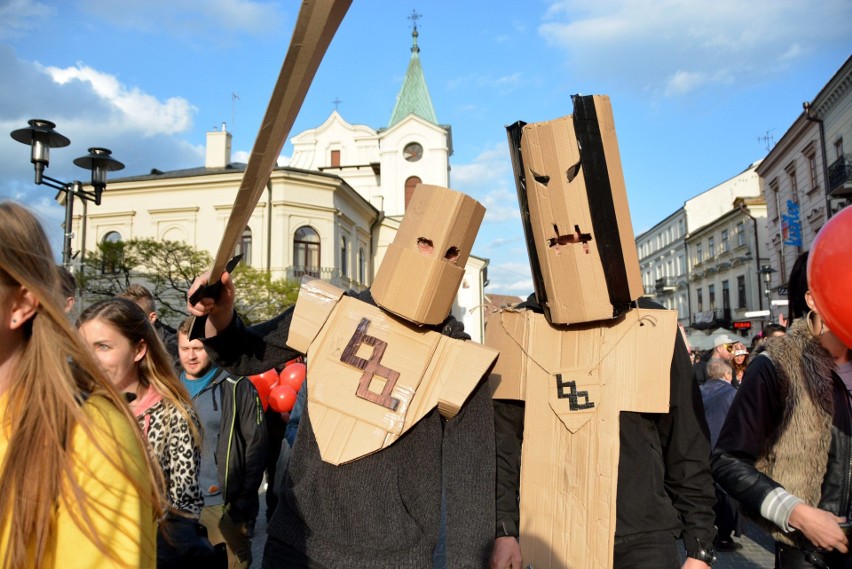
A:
{"points": [[412, 152]]}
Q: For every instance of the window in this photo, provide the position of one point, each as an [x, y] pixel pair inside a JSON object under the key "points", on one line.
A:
{"points": [[699, 253], [335, 158], [741, 292], [794, 185], [812, 169], [306, 252], [838, 148], [740, 234], [362, 266], [782, 264], [344, 257], [410, 184], [112, 251], [700, 297], [711, 296], [724, 246], [711, 247], [681, 266], [726, 295], [244, 247], [776, 199]]}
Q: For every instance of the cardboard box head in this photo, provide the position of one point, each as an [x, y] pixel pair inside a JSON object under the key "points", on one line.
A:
{"points": [[575, 214], [424, 266]]}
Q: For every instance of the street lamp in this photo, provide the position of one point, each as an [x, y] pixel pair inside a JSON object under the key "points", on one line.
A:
{"points": [[766, 271], [41, 137]]}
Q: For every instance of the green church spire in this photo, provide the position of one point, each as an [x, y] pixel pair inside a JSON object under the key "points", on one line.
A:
{"points": [[413, 97]]}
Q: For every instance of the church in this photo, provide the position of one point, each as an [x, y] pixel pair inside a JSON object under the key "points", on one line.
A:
{"points": [[330, 213]]}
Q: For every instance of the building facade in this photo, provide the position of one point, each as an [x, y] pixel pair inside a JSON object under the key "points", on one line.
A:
{"points": [[663, 264], [725, 275], [808, 175]]}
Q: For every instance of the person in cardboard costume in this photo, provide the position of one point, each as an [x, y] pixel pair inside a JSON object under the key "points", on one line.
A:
{"points": [[602, 447], [399, 412]]}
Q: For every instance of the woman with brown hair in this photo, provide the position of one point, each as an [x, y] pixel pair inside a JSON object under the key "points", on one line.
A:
{"points": [[125, 343], [739, 362], [75, 480]]}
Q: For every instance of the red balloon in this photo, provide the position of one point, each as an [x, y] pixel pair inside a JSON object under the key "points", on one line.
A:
{"points": [[830, 274], [293, 375], [282, 398], [264, 382]]}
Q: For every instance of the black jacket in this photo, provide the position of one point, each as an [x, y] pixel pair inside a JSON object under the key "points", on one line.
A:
{"points": [[756, 420], [664, 481]]}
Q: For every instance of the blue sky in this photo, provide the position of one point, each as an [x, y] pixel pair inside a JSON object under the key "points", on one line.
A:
{"points": [[696, 86]]}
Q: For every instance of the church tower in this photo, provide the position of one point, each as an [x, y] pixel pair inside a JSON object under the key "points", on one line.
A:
{"points": [[414, 147], [384, 165]]}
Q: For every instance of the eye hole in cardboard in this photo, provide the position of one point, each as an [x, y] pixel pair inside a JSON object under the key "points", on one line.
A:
{"points": [[452, 255], [572, 172], [573, 238], [424, 246]]}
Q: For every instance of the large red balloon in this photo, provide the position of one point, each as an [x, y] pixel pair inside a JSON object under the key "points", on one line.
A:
{"points": [[282, 398], [293, 375], [830, 274], [264, 382]]}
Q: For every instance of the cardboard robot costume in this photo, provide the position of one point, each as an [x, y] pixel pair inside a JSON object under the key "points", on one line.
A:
{"points": [[592, 354], [371, 376]]}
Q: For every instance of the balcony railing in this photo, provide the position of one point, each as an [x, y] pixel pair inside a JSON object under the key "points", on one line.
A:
{"points": [[330, 275], [664, 284], [720, 317], [840, 177]]}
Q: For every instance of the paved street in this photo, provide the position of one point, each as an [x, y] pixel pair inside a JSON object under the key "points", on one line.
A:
{"points": [[757, 551]]}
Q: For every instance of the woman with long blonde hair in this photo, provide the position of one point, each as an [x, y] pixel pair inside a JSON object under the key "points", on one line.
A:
{"points": [[131, 354], [76, 485]]}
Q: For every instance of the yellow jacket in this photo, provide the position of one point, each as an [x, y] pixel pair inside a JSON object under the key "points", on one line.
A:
{"points": [[124, 522]]}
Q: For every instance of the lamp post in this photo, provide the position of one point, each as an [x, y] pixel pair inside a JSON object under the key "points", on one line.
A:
{"points": [[766, 272], [41, 137]]}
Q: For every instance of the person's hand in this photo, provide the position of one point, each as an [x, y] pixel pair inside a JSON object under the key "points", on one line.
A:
{"points": [[820, 527], [692, 563], [219, 311], [506, 554]]}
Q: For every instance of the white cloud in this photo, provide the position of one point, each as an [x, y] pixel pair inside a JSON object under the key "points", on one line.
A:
{"points": [[136, 109], [212, 20], [20, 16], [673, 47]]}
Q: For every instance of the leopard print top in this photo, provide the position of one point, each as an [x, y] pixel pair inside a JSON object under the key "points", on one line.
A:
{"points": [[178, 455]]}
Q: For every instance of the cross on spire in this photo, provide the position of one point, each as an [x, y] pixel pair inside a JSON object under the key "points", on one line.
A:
{"points": [[336, 102], [414, 17]]}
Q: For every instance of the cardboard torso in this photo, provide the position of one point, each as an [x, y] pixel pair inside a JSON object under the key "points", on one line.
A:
{"points": [[372, 376], [575, 381]]}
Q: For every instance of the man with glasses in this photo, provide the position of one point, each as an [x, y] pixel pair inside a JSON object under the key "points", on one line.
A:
{"points": [[723, 347]]}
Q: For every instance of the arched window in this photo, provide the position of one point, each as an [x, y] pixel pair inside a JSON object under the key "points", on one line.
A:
{"points": [[306, 252], [244, 247], [112, 252], [344, 257], [410, 184], [362, 266]]}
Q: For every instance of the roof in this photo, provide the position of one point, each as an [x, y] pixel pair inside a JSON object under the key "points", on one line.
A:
{"points": [[413, 97]]}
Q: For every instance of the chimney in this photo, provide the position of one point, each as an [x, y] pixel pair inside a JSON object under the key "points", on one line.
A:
{"points": [[218, 148]]}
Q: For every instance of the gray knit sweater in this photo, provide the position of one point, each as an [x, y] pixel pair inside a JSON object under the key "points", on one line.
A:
{"points": [[384, 510]]}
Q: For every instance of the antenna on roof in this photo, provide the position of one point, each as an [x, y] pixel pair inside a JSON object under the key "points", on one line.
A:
{"points": [[234, 99], [767, 139]]}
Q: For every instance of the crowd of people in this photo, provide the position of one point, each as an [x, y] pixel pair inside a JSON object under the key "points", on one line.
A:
{"points": [[126, 443]]}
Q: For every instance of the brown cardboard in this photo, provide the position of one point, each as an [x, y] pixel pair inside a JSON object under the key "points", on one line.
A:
{"points": [[569, 459], [316, 25], [575, 212], [346, 339], [418, 286], [506, 332]]}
